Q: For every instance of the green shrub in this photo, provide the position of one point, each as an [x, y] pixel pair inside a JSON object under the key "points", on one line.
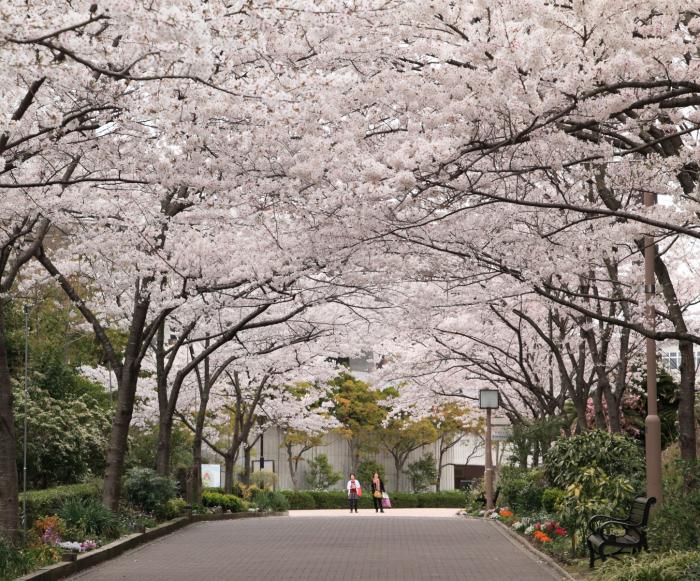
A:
{"points": [[614, 454], [174, 508], [676, 523], [551, 499], [320, 475], [673, 566], [299, 500], [339, 499], [448, 499], [47, 502], [89, 518], [404, 500], [271, 501], [422, 473], [521, 489], [224, 501], [264, 479], [366, 470], [16, 561], [148, 491]]}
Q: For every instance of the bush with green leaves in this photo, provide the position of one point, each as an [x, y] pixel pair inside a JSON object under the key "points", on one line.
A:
{"points": [[87, 518], [148, 491], [366, 469], [614, 454], [68, 437], [592, 492], [16, 561], [676, 522], [264, 479], [600, 474], [672, 566], [422, 473], [521, 489], [552, 498], [299, 500], [47, 502], [270, 501], [445, 499], [320, 475], [227, 502]]}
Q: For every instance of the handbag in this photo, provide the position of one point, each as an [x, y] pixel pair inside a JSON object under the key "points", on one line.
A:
{"points": [[377, 494]]}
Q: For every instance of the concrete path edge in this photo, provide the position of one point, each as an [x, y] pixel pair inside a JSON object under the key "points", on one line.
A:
{"points": [[116, 548], [507, 532]]}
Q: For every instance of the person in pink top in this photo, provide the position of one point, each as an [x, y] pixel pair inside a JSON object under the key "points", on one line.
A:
{"points": [[354, 492]]}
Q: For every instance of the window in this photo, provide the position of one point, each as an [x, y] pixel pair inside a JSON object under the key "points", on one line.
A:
{"points": [[671, 360]]}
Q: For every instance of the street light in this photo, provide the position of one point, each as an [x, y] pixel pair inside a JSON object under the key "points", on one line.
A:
{"points": [[489, 399], [24, 442], [652, 423]]}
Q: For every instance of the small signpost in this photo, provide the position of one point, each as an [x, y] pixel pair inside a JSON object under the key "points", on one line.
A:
{"points": [[211, 475]]}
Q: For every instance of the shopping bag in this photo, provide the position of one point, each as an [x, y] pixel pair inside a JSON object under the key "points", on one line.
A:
{"points": [[386, 501], [359, 491]]}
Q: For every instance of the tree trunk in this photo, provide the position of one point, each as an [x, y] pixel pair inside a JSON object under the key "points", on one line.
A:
{"points": [[600, 422], [126, 397], [229, 464], [686, 402], [613, 411], [196, 497], [118, 441], [165, 432], [441, 455], [398, 465], [9, 507], [293, 467], [247, 451]]}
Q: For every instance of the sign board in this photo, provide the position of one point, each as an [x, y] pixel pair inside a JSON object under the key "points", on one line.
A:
{"points": [[501, 433], [211, 475]]}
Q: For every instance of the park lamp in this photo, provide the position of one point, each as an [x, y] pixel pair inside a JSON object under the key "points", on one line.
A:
{"points": [[489, 399]]}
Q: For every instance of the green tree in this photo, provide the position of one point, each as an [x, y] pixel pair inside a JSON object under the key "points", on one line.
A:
{"points": [[403, 435], [453, 422], [66, 438], [357, 407], [422, 473], [320, 474], [143, 445]]}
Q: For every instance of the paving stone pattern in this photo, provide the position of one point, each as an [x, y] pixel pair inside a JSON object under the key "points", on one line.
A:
{"points": [[378, 547]]}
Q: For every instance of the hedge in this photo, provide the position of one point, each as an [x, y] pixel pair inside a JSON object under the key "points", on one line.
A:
{"points": [[315, 499], [225, 501], [49, 501]]}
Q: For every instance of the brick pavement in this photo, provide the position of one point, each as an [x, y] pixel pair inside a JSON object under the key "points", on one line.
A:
{"points": [[363, 546]]}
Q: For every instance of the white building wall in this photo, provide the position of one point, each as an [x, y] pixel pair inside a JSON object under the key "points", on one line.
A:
{"points": [[337, 451]]}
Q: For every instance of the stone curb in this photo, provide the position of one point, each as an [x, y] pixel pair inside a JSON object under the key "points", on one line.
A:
{"points": [[505, 530], [116, 548]]}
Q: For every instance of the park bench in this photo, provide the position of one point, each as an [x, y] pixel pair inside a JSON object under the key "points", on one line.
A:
{"points": [[619, 535]]}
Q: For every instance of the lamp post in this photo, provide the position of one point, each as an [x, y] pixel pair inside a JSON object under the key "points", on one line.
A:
{"points": [[489, 399], [24, 441], [652, 423]]}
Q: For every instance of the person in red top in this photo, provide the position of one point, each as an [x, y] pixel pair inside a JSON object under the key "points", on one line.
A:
{"points": [[354, 492]]}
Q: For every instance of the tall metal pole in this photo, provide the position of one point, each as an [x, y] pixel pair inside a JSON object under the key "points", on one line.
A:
{"points": [[652, 423], [26, 397], [488, 461]]}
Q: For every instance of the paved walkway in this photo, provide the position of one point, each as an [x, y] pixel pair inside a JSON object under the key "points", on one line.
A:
{"points": [[387, 547]]}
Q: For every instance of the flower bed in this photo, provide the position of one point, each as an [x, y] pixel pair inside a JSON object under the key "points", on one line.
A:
{"points": [[543, 531]]}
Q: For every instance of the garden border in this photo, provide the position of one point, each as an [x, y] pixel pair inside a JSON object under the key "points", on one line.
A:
{"points": [[120, 546], [513, 536]]}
